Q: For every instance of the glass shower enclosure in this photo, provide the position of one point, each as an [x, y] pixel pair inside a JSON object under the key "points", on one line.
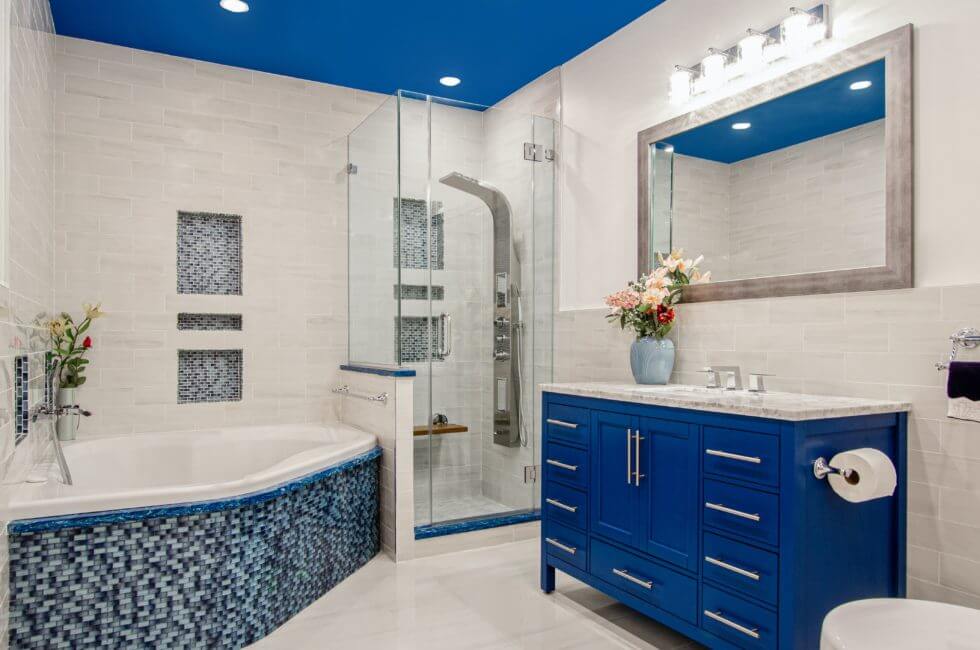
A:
{"points": [[451, 265]]}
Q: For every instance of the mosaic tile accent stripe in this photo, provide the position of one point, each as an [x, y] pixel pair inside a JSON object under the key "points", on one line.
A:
{"points": [[209, 322], [22, 400], [414, 333], [479, 523], [209, 253], [415, 233], [209, 376], [221, 579], [418, 292]]}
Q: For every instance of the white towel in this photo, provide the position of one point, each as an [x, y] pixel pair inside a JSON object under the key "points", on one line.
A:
{"points": [[963, 408]]}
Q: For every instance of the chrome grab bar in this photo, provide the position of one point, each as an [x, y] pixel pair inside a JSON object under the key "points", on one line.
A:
{"points": [[554, 542], [637, 454], [345, 390], [622, 573], [559, 504], [562, 423], [727, 454], [731, 511], [716, 616], [629, 457], [558, 463], [731, 567]]}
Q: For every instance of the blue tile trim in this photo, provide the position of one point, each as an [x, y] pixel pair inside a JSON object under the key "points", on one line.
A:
{"points": [[378, 370], [494, 521], [176, 510]]}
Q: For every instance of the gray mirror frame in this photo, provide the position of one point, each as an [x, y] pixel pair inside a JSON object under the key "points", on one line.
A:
{"points": [[895, 48]]}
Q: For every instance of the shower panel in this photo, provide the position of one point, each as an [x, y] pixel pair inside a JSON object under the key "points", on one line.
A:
{"points": [[507, 313]]}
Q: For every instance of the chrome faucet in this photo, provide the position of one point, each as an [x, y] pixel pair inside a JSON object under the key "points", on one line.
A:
{"points": [[733, 379]]}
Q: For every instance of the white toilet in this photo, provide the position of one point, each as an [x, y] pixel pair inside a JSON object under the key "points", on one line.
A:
{"points": [[900, 624]]}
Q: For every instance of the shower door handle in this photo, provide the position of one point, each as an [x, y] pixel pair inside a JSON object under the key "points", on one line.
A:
{"points": [[447, 335]]}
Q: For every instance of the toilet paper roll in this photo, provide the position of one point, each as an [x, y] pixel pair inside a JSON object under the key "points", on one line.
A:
{"points": [[872, 475]]}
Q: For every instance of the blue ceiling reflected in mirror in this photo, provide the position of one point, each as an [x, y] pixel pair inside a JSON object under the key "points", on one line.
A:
{"points": [[839, 103]]}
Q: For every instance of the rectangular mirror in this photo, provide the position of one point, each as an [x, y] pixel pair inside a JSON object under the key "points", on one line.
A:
{"points": [[800, 185]]}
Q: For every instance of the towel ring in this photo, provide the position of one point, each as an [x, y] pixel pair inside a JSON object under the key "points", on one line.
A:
{"points": [[967, 337]]}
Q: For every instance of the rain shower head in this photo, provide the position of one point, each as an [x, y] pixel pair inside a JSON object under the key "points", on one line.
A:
{"points": [[493, 197]]}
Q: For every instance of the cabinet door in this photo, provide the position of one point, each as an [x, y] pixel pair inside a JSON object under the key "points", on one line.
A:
{"points": [[669, 491], [614, 499]]}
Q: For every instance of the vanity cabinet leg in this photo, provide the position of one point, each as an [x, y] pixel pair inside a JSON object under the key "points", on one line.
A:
{"points": [[547, 577]]}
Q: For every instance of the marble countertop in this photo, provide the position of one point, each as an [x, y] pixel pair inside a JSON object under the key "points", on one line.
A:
{"points": [[774, 405]]}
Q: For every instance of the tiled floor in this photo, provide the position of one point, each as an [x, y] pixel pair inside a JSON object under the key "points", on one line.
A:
{"points": [[458, 508], [486, 598]]}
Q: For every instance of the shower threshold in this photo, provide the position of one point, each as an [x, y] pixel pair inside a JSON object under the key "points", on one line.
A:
{"points": [[483, 522]]}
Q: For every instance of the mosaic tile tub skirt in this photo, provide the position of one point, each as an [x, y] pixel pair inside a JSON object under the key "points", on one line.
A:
{"points": [[219, 574]]}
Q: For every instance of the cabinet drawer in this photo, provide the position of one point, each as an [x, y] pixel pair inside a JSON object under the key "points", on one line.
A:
{"points": [[736, 620], [567, 464], [742, 455], [565, 505], [566, 544], [741, 567], [649, 581], [742, 511], [568, 424]]}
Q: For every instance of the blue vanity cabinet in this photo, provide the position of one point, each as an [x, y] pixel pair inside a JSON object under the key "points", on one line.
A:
{"points": [[712, 523]]}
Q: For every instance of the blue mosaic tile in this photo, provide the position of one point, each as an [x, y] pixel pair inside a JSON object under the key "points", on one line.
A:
{"points": [[221, 577], [22, 401], [209, 376], [209, 253], [412, 235], [378, 370], [480, 523], [209, 322]]}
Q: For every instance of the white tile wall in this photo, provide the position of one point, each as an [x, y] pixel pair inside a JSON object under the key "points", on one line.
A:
{"points": [[28, 300], [880, 345], [142, 135]]}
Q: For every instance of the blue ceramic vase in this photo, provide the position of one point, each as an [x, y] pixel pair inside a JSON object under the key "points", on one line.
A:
{"points": [[652, 360]]}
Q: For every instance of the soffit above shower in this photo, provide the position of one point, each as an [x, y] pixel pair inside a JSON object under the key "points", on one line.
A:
{"points": [[380, 46]]}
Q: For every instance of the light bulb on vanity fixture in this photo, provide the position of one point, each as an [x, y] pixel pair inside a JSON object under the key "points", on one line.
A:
{"points": [[796, 33], [713, 70], [751, 51], [680, 84]]}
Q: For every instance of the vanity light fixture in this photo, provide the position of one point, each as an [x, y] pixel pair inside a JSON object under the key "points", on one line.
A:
{"points": [[742, 126], [792, 37], [861, 85], [234, 6], [450, 81]]}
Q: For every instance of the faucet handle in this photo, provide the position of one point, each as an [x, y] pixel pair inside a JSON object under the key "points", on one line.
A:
{"points": [[712, 379], [757, 383]]}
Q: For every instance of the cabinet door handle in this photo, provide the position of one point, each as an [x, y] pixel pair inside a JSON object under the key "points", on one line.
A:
{"points": [[554, 542], [629, 456], [729, 455], [636, 473], [754, 575], [716, 616], [558, 463], [559, 504], [732, 511], [622, 573], [562, 423]]}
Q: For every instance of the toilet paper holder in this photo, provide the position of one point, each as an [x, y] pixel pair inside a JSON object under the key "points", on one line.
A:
{"points": [[821, 468]]}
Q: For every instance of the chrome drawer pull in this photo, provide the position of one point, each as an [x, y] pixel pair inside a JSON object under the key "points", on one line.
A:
{"points": [[646, 584], [716, 616], [731, 511], [562, 423], [731, 567], [727, 454], [554, 542], [559, 504], [558, 463]]}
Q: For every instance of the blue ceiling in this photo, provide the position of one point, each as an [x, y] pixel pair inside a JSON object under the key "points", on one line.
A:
{"points": [[494, 46], [812, 112]]}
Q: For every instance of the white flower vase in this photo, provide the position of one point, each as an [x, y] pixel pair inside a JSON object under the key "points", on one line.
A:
{"points": [[67, 425]]}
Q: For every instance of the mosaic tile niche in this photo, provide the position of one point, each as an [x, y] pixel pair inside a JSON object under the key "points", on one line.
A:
{"points": [[415, 233], [418, 292], [414, 332], [21, 397], [208, 575], [209, 376], [209, 253], [209, 322]]}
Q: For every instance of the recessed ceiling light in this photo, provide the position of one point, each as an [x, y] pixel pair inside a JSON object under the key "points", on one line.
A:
{"points": [[860, 85], [741, 126], [449, 81], [234, 6]]}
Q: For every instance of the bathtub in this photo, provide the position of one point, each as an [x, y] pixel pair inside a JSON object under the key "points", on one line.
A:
{"points": [[189, 539]]}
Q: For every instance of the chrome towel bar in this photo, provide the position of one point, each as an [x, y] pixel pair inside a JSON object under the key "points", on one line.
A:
{"points": [[967, 337], [345, 390]]}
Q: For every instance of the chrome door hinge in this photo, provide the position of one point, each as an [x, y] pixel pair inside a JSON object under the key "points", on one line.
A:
{"points": [[537, 153], [531, 473], [351, 168]]}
